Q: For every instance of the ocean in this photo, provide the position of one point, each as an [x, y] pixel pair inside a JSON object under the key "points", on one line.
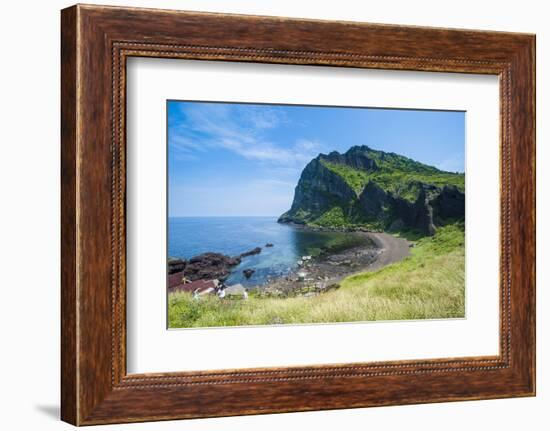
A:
{"points": [[191, 236]]}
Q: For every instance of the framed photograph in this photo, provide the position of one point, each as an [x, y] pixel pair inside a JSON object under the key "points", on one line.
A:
{"points": [[267, 215]]}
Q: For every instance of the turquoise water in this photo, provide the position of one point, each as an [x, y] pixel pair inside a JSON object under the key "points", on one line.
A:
{"points": [[191, 236]]}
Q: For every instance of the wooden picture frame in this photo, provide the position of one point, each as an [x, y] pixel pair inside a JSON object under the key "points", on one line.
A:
{"points": [[95, 43]]}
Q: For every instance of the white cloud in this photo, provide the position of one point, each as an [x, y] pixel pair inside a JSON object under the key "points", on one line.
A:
{"points": [[264, 117], [307, 145], [238, 129]]}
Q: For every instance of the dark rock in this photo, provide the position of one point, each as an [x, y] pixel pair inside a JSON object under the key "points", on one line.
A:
{"points": [[449, 204], [252, 252], [416, 215], [248, 272], [373, 201], [396, 225], [208, 266], [269, 244], [355, 157], [176, 265]]}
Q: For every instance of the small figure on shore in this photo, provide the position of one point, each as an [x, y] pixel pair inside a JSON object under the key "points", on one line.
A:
{"points": [[245, 294], [221, 291]]}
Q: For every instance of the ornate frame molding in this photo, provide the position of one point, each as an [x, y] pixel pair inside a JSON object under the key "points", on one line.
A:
{"points": [[96, 41]]}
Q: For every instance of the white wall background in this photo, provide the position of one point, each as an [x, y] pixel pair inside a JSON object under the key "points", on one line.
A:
{"points": [[29, 215]]}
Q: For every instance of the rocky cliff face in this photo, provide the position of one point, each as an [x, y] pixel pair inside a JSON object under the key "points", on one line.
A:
{"points": [[376, 190], [318, 189]]}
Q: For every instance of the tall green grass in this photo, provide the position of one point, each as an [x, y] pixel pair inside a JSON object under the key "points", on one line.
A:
{"points": [[428, 284]]}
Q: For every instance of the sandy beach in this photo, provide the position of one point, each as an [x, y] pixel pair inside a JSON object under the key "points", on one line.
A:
{"points": [[322, 274]]}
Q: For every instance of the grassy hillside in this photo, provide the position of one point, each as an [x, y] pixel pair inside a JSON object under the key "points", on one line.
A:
{"points": [[398, 178], [428, 284]]}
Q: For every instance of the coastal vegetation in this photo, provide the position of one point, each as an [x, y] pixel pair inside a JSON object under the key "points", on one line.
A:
{"points": [[404, 182], [428, 284]]}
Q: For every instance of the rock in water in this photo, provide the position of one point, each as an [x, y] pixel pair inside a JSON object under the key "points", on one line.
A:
{"points": [[248, 273], [176, 265], [269, 244], [209, 266], [256, 250], [383, 191]]}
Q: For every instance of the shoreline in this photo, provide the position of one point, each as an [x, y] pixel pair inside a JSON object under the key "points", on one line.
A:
{"points": [[310, 275], [342, 229], [324, 273]]}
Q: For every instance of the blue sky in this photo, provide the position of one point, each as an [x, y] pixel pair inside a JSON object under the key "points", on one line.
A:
{"points": [[227, 159]]}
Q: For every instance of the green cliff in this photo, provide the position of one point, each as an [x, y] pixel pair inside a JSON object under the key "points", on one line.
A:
{"points": [[375, 190]]}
